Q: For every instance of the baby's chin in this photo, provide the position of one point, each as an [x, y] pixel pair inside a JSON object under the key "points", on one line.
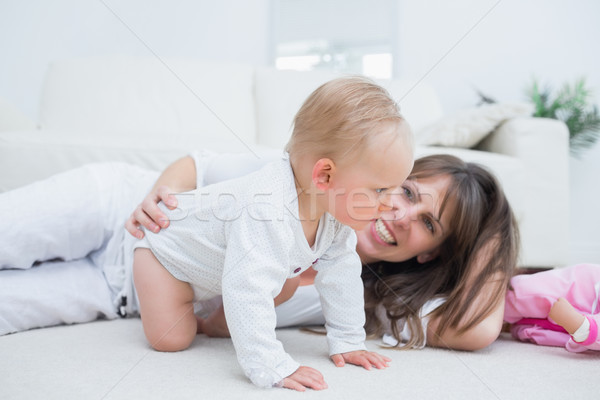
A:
{"points": [[361, 234], [363, 243]]}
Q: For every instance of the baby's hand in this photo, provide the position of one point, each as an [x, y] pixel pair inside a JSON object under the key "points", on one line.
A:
{"points": [[361, 357], [305, 377]]}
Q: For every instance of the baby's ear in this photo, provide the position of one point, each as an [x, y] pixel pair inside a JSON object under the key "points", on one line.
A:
{"points": [[322, 172], [426, 257]]}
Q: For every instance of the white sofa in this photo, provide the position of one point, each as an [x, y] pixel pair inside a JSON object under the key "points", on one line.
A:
{"points": [[150, 112]]}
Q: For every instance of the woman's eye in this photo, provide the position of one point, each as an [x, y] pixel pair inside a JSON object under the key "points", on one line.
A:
{"points": [[408, 193], [429, 225], [380, 190]]}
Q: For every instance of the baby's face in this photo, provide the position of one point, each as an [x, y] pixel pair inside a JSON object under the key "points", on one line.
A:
{"points": [[362, 190]]}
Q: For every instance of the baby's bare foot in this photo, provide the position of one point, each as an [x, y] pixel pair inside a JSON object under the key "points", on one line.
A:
{"points": [[211, 328]]}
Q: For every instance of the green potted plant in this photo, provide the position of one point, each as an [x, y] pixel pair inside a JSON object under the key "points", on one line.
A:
{"points": [[571, 104]]}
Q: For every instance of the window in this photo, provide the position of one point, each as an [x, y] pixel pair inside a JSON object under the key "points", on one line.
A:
{"points": [[354, 36]]}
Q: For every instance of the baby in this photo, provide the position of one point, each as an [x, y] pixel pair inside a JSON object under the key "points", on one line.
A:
{"points": [[350, 150]]}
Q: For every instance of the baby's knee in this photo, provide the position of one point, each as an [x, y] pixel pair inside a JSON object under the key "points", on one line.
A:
{"points": [[171, 335], [172, 341]]}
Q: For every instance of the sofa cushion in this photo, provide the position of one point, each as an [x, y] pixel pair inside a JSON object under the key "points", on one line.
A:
{"points": [[149, 97], [11, 119], [279, 96], [28, 156], [419, 102]]}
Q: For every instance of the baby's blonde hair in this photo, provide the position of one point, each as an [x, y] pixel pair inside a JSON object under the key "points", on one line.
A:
{"points": [[340, 117]]}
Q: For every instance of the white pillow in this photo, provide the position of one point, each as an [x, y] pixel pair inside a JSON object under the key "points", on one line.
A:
{"points": [[468, 127]]}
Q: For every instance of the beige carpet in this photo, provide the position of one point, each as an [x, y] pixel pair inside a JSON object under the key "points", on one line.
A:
{"points": [[110, 360]]}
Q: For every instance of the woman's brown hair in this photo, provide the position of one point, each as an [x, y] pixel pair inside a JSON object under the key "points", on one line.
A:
{"points": [[483, 225]]}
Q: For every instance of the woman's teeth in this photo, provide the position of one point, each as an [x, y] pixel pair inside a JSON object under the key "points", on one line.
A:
{"points": [[383, 232]]}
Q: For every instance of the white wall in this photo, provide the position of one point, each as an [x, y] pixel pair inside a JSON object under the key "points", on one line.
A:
{"points": [[497, 46], [34, 32], [459, 45]]}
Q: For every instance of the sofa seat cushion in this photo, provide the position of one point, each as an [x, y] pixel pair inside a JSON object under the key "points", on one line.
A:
{"points": [[28, 156]]}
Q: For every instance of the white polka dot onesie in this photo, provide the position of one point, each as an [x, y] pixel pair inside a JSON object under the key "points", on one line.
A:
{"points": [[243, 238]]}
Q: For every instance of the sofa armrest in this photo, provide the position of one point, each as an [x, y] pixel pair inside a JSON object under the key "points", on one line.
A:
{"points": [[542, 146], [539, 142]]}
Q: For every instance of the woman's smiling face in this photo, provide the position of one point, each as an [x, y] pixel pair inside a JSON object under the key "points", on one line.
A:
{"points": [[413, 228]]}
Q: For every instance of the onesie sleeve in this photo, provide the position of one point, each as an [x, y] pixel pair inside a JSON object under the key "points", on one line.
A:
{"points": [[254, 273], [202, 159], [340, 287]]}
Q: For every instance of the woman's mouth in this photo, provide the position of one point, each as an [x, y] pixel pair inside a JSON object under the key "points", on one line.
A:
{"points": [[382, 234]]}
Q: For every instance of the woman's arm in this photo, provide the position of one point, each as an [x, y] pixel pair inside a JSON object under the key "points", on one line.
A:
{"points": [[180, 176], [486, 331], [478, 337]]}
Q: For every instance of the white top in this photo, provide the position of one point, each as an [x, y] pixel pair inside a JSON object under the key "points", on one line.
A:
{"points": [[405, 333], [243, 238]]}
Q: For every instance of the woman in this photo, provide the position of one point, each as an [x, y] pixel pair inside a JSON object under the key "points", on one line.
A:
{"points": [[436, 268], [453, 238]]}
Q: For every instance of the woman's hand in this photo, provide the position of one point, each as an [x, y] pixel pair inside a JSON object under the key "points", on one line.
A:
{"points": [[367, 359], [178, 177], [149, 215], [305, 377]]}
